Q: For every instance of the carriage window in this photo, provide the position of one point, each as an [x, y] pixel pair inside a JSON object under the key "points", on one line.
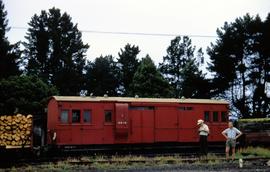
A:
{"points": [[87, 117], [207, 116], [76, 116], [215, 116], [141, 107], [64, 116], [108, 116], [185, 108], [224, 116], [189, 108], [181, 108]]}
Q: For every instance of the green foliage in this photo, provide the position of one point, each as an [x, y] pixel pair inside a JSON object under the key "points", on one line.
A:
{"points": [[102, 76], [177, 54], [54, 51], [148, 81], [24, 94], [254, 120], [181, 70], [194, 84], [128, 64], [250, 152], [9, 54], [241, 62]]}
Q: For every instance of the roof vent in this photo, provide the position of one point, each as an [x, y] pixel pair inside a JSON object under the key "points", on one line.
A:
{"points": [[92, 95], [136, 96], [106, 95]]}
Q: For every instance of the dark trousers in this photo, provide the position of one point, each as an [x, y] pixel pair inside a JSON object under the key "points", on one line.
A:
{"points": [[203, 145]]}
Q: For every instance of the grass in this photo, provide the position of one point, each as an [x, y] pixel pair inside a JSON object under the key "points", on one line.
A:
{"points": [[126, 162], [250, 152], [257, 120], [130, 162]]}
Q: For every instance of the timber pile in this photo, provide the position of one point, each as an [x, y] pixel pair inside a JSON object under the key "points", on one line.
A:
{"points": [[15, 130]]}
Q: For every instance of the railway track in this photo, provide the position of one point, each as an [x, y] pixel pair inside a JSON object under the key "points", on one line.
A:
{"points": [[154, 162], [170, 160], [87, 158], [100, 157], [260, 160]]}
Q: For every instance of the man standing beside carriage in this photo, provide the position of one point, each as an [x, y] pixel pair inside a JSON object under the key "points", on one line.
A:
{"points": [[203, 133]]}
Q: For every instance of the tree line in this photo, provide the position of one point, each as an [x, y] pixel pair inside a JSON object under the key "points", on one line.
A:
{"points": [[52, 61]]}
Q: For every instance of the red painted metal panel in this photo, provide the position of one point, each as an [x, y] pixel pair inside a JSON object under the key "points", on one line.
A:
{"points": [[76, 134], [151, 122], [216, 127], [135, 135], [64, 136], [92, 136], [52, 119], [141, 126], [108, 134], [188, 129], [166, 124], [121, 120], [166, 118], [148, 126], [95, 132]]}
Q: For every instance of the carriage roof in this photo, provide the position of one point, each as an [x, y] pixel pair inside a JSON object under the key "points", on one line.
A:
{"points": [[139, 100]]}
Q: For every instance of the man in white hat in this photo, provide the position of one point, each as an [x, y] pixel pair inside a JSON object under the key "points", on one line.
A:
{"points": [[203, 133]]}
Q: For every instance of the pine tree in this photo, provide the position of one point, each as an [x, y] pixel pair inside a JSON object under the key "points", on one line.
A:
{"points": [[148, 81], [128, 63], [102, 76], [180, 68], [260, 66], [240, 61], [9, 54], [193, 84], [55, 52]]}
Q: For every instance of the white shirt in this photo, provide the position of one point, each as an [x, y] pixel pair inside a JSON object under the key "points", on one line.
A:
{"points": [[203, 130], [231, 132]]}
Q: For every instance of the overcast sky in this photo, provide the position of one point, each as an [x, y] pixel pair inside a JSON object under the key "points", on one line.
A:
{"points": [[190, 17]]}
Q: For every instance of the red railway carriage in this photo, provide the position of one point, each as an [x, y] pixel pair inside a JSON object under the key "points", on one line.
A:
{"points": [[121, 120]]}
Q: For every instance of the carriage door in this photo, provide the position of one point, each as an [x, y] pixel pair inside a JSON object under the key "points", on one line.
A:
{"points": [[121, 121], [188, 129], [166, 124]]}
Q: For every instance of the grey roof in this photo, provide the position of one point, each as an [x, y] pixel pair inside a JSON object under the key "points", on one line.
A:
{"points": [[133, 99]]}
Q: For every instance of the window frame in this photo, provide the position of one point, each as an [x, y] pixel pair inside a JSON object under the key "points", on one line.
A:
{"points": [[222, 115], [111, 112], [209, 116], [60, 117], [90, 116], [80, 114], [215, 114]]}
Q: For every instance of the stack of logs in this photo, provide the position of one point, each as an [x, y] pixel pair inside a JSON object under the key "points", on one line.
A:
{"points": [[15, 130]]}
